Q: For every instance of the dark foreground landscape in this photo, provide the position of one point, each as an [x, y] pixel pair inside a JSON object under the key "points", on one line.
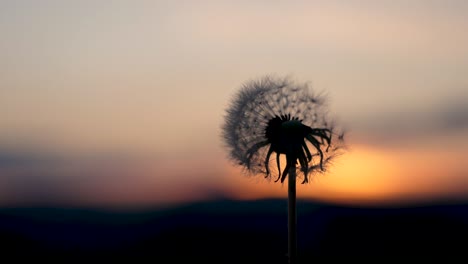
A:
{"points": [[227, 231]]}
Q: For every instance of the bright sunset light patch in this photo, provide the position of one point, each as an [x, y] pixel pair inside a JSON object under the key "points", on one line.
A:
{"points": [[363, 175]]}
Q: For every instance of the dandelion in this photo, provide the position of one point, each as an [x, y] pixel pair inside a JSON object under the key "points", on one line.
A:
{"points": [[276, 123]]}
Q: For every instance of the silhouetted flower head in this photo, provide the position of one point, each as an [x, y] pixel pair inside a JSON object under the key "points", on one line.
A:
{"points": [[276, 122]]}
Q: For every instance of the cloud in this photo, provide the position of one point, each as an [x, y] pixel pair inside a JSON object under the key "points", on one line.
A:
{"points": [[104, 180], [449, 118]]}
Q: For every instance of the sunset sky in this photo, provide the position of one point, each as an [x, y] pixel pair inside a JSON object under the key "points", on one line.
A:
{"points": [[120, 103]]}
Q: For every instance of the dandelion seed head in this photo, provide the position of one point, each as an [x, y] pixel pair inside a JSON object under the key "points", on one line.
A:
{"points": [[274, 122]]}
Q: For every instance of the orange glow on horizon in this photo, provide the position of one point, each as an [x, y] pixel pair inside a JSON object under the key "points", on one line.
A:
{"points": [[363, 175]]}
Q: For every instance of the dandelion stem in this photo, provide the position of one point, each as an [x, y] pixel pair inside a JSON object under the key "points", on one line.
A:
{"points": [[292, 240]]}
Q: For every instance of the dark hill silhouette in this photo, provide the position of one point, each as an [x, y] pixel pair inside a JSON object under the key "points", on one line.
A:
{"points": [[226, 231]]}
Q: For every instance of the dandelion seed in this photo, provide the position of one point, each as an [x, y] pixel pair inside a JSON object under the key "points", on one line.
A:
{"points": [[276, 116], [280, 125]]}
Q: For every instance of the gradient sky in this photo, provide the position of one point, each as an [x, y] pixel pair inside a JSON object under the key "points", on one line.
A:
{"points": [[120, 103]]}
